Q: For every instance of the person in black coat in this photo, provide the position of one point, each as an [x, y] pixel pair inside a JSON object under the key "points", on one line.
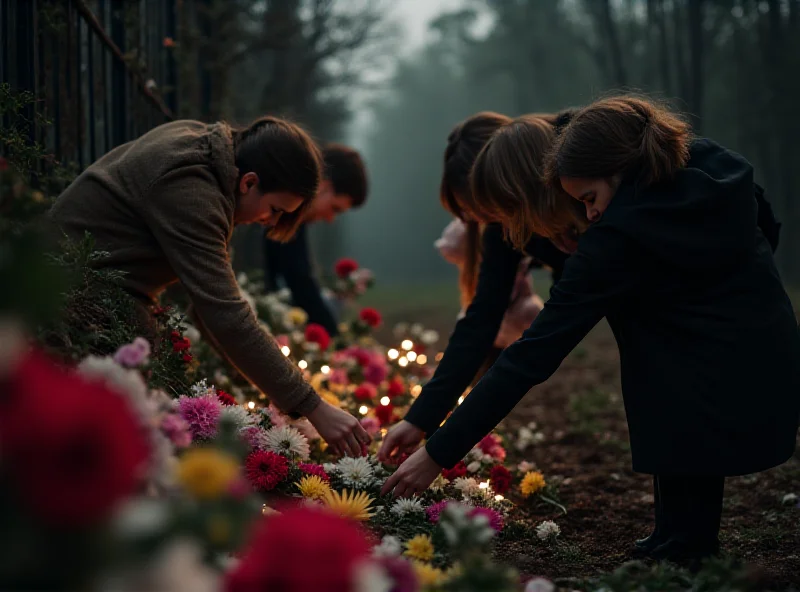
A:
{"points": [[471, 344], [675, 261], [344, 186]]}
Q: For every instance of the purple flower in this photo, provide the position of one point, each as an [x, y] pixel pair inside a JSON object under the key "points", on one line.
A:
{"points": [[255, 437], [376, 373], [435, 510], [133, 354], [202, 414], [177, 430], [400, 572], [495, 518]]}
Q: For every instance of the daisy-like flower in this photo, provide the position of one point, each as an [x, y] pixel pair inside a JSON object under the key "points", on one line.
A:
{"points": [[265, 470], [435, 510], [548, 530], [288, 442], [540, 585], [438, 484], [313, 487], [200, 389], [237, 415], [201, 413], [494, 518], [355, 506], [420, 547], [467, 486], [405, 506], [356, 472], [531, 483], [390, 546]]}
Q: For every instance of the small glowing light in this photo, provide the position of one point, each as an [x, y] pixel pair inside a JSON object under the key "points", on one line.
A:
{"points": [[422, 359], [384, 431], [403, 362], [303, 364], [439, 356], [363, 410], [251, 405], [411, 356], [393, 354], [325, 369], [460, 400], [285, 350], [499, 498], [416, 390], [484, 485], [385, 401], [262, 396], [407, 344]]}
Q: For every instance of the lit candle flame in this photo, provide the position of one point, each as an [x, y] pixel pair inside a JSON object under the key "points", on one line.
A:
{"points": [[363, 410], [422, 359], [407, 344], [325, 369], [285, 350], [393, 354], [303, 364], [411, 356], [385, 401], [403, 362], [251, 405]]}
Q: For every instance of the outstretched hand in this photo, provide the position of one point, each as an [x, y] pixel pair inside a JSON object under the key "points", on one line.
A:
{"points": [[402, 438], [344, 433], [413, 476]]}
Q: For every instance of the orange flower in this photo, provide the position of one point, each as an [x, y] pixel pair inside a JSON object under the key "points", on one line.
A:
{"points": [[169, 42]]}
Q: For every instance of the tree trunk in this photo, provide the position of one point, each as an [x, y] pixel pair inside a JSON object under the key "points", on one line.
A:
{"points": [[612, 38], [663, 39], [678, 38], [696, 18]]}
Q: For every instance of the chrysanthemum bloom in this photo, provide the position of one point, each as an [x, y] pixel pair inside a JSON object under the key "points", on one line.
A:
{"points": [[312, 487], [396, 387], [177, 430], [390, 546], [385, 414], [265, 470], [207, 473], [467, 486], [288, 442], [548, 530], [255, 437], [371, 317], [297, 316], [312, 469], [531, 483], [420, 547], [365, 392], [427, 575], [202, 415], [406, 506], [435, 511], [133, 354], [356, 472], [344, 267], [376, 373], [495, 518], [350, 505], [225, 398], [371, 425], [317, 334], [460, 470], [500, 478]]}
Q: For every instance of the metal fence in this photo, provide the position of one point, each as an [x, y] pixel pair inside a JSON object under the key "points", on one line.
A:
{"points": [[103, 71]]}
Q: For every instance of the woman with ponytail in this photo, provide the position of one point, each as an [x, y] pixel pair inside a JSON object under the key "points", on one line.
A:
{"points": [[676, 262], [163, 207], [493, 297]]}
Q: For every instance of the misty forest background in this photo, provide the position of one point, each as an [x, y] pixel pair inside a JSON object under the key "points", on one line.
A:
{"points": [[340, 67]]}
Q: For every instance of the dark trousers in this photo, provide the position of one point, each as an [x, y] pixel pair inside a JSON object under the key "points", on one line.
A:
{"points": [[689, 508]]}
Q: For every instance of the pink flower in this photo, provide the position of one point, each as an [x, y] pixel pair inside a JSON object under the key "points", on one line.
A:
{"points": [[202, 414], [239, 488], [312, 469], [495, 518], [376, 373], [338, 376], [255, 437], [133, 354], [371, 424], [283, 340], [489, 442], [177, 430], [435, 511]]}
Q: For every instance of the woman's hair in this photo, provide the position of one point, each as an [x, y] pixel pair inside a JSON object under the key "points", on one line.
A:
{"points": [[508, 183], [346, 171], [624, 135], [464, 143], [285, 158]]}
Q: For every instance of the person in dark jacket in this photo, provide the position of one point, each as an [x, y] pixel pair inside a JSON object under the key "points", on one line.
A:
{"points": [[344, 186], [675, 261], [489, 290]]}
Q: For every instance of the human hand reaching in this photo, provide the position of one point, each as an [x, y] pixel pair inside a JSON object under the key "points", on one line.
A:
{"points": [[413, 476], [402, 438], [343, 432]]}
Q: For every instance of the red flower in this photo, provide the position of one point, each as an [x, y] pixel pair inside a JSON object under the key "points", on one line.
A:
{"points": [[187, 358], [3, 164], [175, 336], [419, 348], [371, 317], [396, 387], [460, 470], [265, 470], [301, 550], [162, 310], [385, 414], [181, 344], [225, 398], [500, 478], [317, 334], [362, 357], [365, 392], [488, 443], [312, 469], [78, 447], [344, 267]]}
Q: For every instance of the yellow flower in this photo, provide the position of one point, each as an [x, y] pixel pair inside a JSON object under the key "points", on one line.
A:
{"points": [[531, 483], [349, 505], [206, 473], [298, 316], [37, 196], [313, 487], [420, 547], [329, 397], [218, 529], [428, 575]]}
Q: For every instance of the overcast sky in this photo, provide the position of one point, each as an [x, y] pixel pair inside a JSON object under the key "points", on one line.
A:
{"points": [[415, 16]]}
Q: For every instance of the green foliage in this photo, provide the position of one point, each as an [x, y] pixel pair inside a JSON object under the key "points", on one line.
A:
{"points": [[15, 138]]}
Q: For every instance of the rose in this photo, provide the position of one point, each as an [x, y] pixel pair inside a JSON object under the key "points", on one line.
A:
{"points": [[317, 334], [371, 317], [344, 267]]}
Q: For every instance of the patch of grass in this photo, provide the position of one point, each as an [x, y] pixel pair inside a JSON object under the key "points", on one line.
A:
{"points": [[568, 553]]}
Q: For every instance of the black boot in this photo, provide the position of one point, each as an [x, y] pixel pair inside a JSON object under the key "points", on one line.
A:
{"points": [[658, 536], [692, 509]]}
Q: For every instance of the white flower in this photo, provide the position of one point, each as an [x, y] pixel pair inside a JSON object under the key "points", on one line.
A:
{"points": [[467, 486], [789, 498], [241, 279], [237, 415], [525, 466], [548, 530], [405, 506], [390, 546], [284, 294], [474, 466], [201, 389], [140, 517], [287, 441], [192, 333], [356, 472], [330, 468], [438, 484], [429, 337], [297, 337], [371, 577], [540, 585]]}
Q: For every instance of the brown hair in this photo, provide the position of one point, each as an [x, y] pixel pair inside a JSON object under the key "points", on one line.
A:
{"points": [[346, 171], [285, 158], [508, 183], [623, 135]]}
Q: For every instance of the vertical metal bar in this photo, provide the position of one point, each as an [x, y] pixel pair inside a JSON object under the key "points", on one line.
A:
{"points": [[92, 94], [172, 99], [79, 107], [106, 80], [119, 97]]}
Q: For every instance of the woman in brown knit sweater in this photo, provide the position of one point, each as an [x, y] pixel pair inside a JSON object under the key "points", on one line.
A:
{"points": [[164, 207]]}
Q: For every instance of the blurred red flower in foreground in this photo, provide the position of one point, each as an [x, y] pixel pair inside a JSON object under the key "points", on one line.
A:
{"points": [[73, 448], [371, 317], [396, 387], [460, 470], [317, 334], [344, 267], [302, 550], [365, 392], [385, 414]]}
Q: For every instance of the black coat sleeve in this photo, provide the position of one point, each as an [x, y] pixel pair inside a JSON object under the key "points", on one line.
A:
{"points": [[595, 280], [292, 261], [473, 336], [766, 218]]}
